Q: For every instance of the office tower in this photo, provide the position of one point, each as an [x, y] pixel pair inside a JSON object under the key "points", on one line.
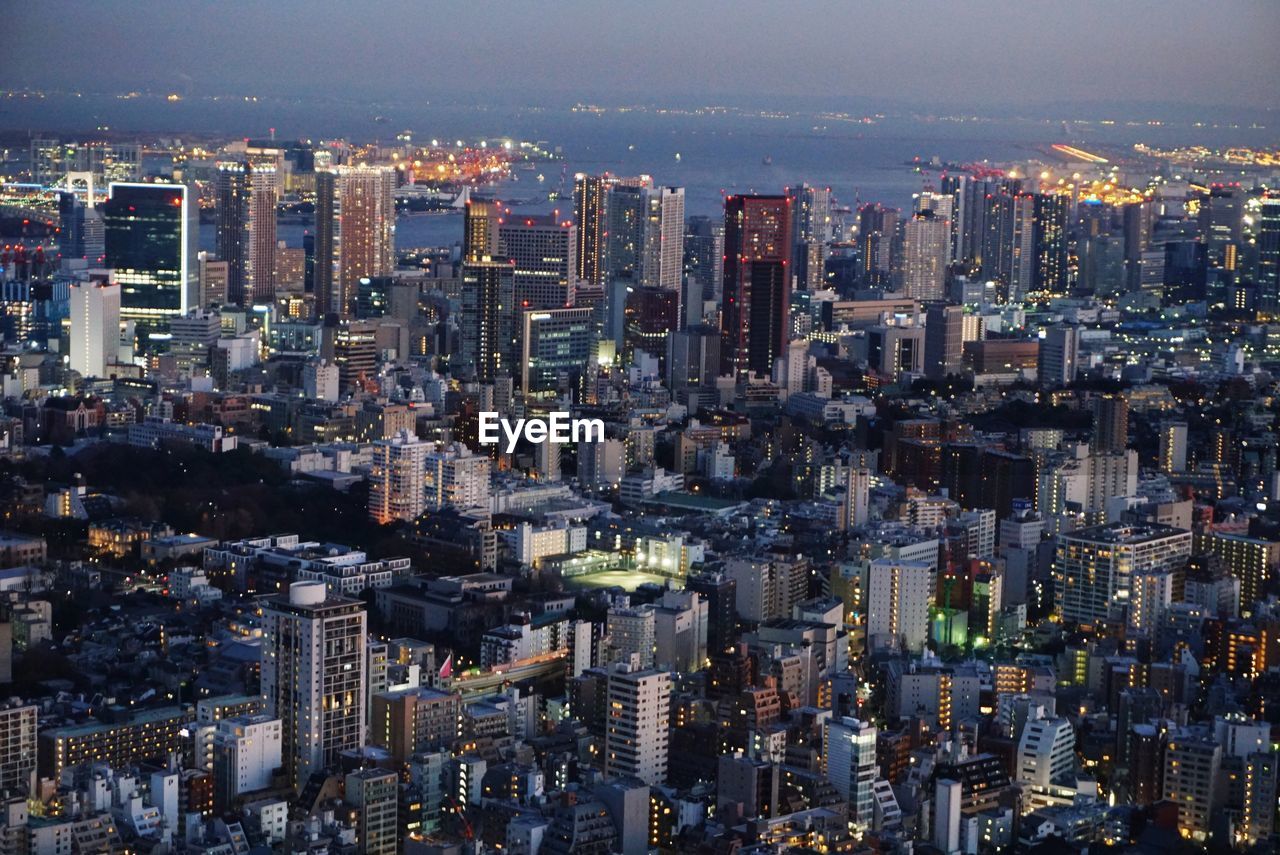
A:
{"points": [[812, 224], [457, 478], [894, 350], [1047, 753], [720, 592], [652, 315], [542, 250], [353, 347], [693, 359], [589, 213], [636, 728], [943, 341], [1191, 766], [1268, 270], [1022, 261], [1173, 447], [1110, 423], [704, 257], [857, 496], [313, 676], [926, 241], [1058, 356], [150, 239], [556, 348], [487, 319], [1137, 219], [1051, 275], [214, 277], [246, 752], [355, 233], [1221, 227], [374, 793], [95, 324], [899, 594], [410, 721], [18, 748], [877, 235], [71, 214], [480, 231], [397, 479], [849, 748], [247, 193], [757, 282], [994, 240], [1094, 567], [663, 259]]}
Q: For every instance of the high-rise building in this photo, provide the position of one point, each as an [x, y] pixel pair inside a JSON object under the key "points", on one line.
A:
{"points": [[849, 748], [1110, 423], [1022, 248], [95, 323], [313, 676], [1058, 356], [693, 359], [1047, 753], [480, 230], [1137, 220], [18, 748], [757, 282], [1051, 274], [1251, 560], [1173, 447], [247, 193], [410, 721], [397, 479], [877, 239], [1268, 237], [704, 258], [636, 728], [1191, 765], [374, 793], [813, 234], [246, 753], [857, 496], [355, 233], [1094, 567], [899, 594], [943, 341], [150, 243], [589, 212], [487, 319], [557, 346], [926, 243], [457, 478], [625, 224], [542, 248], [663, 259], [1261, 784]]}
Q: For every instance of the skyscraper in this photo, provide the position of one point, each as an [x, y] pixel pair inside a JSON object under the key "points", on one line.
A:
{"points": [[813, 233], [926, 243], [95, 324], [757, 282], [1051, 242], [877, 236], [397, 479], [704, 258], [849, 747], [589, 213], [480, 230], [663, 265], [487, 319], [150, 240], [1268, 276], [543, 252], [1110, 423], [355, 233], [943, 340], [556, 348], [625, 224], [247, 193], [636, 728], [1094, 567], [313, 676]]}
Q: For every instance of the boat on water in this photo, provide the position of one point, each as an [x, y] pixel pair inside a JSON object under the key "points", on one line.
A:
{"points": [[767, 160]]}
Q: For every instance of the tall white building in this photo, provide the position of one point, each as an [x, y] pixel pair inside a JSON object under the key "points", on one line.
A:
{"points": [[1173, 447], [631, 632], [398, 478], [1150, 593], [926, 243], [849, 747], [663, 265], [95, 324], [314, 676], [320, 380], [899, 594], [1094, 567], [455, 477], [246, 751], [638, 718], [858, 496], [1046, 752]]}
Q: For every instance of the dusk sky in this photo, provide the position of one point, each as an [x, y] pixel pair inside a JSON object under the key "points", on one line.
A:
{"points": [[998, 52]]}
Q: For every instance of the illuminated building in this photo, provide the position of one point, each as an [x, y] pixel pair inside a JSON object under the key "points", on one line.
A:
{"points": [[150, 240], [355, 233], [18, 748], [704, 259], [1058, 355], [1094, 567], [1268, 238], [943, 341], [589, 212], [543, 252], [849, 749], [1051, 243], [557, 346], [95, 324], [1191, 765], [487, 318], [663, 261], [899, 594], [1251, 560], [480, 230], [652, 315], [374, 793], [877, 235], [314, 676], [246, 752], [1110, 423], [636, 727], [247, 193], [146, 735], [926, 243], [1173, 447], [397, 479], [813, 233], [757, 282]]}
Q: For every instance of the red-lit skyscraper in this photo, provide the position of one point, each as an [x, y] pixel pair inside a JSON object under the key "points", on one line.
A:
{"points": [[757, 281]]}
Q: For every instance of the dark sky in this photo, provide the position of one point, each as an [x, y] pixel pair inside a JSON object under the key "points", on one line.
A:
{"points": [[967, 52]]}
